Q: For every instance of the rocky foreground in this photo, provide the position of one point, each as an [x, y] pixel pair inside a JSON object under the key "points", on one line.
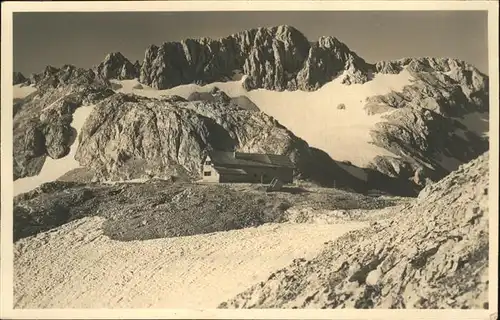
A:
{"points": [[159, 209], [168, 244], [432, 253]]}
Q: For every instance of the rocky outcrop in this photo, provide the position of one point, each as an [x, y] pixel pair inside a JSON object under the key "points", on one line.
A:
{"points": [[327, 59], [432, 253], [217, 95], [18, 78], [424, 126], [423, 139], [214, 95], [116, 66], [451, 86], [42, 120], [276, 58], [150, 136], [68, 78], [137, 67]]}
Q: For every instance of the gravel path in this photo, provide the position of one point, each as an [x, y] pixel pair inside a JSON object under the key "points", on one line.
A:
{"points": [[76, 266]]}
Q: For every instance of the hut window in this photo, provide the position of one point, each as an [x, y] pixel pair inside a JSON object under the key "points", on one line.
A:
{"points": [[208, 162], [207, 173]]}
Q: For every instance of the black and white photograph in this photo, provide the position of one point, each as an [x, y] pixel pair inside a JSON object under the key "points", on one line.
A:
{"points": [[205, 159]]}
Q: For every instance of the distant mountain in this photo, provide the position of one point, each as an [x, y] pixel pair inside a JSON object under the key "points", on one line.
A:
{"points": [[18, 78], [116, 66], [435, 118], [277, 58]]}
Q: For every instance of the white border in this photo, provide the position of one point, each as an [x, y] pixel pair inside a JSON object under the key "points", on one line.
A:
{"points": [[8, 8]]}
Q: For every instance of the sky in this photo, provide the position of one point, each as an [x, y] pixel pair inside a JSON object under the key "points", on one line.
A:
{"points": [[84, 38]]}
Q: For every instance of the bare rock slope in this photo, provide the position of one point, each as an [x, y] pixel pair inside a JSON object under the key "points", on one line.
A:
{"points": [[42, 119], [425, 123], [432, 253]]}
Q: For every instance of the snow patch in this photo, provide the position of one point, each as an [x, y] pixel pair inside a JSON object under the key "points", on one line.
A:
{"points": [[313, 116], [21, 91], [55, 168]]}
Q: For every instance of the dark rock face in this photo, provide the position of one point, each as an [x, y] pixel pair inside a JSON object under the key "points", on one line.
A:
{"points": [[277, 58], [116, 66], [42, 120], [29, 148], [137, 67], [18, 78], [327, 59]]}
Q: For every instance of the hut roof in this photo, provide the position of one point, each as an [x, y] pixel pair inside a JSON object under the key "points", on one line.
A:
{"points": [[240, 159]]}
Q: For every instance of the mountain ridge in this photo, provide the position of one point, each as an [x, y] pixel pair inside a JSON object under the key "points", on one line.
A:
{"points": [[331, 42], [417, 120], [352, 61]]}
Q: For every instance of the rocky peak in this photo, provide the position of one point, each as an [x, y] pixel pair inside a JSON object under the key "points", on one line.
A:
{"points": [[274, 58], [285, 34], [329, 58], [49, 71], [341, 50], [70, 75], [18, 78], [116, 66], [330, 42]]}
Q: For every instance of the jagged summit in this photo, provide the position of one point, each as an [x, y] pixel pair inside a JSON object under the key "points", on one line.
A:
{"points": [[284, 29], [428, 64], [276, 58], [18, 78], [116, 66]]}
